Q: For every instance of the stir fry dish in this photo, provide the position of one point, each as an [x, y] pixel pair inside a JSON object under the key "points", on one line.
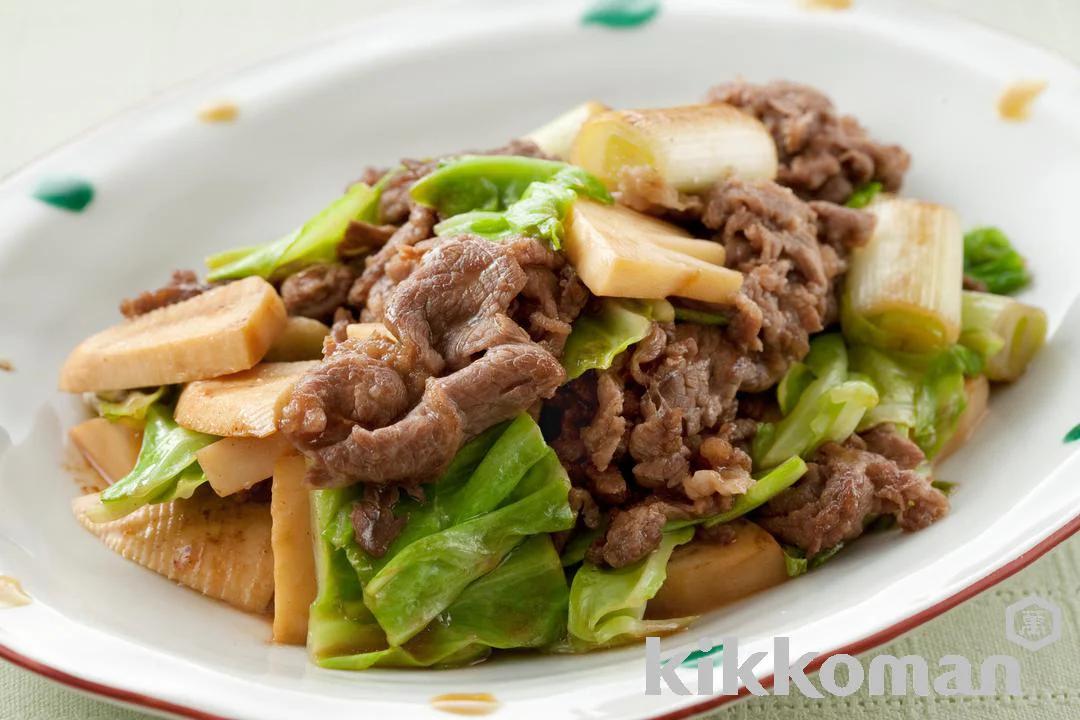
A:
{"points": [[559, 395]]}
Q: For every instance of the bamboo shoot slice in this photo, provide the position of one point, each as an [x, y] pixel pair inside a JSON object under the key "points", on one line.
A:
{"points": [[110, 448], [216, 546], [247, 404], [222, 331], [977, 391], [233, 464], [703, 575], [301, 339], [622, 253], [294, 556]]}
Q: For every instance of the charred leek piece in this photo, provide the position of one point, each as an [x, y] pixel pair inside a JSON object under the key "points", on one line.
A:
{"points": [[557, 136], [1005, 332], [691, 147], [903, 288]]}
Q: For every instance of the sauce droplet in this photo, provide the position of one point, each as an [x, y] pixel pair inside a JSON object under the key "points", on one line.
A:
{"points": [[6, 365], [621, 14], [11, 593], [471, 704], [825, 4], [1015, 102], [67, 193], [1073, 435], [221, 112]]}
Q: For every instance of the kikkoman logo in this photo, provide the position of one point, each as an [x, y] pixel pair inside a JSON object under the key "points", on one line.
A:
{"points": [[1033, 623]]}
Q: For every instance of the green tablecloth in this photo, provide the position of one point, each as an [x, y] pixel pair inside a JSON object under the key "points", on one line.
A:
{"points": [[976, 629]]}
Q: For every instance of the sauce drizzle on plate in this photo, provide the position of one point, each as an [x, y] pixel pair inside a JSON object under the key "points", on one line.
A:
{"points": [[470, 704]]}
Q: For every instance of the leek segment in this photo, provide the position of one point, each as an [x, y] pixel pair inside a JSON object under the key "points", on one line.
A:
{"points": [[903, 287], [556, 138], [690, 147], [1005, 332]]}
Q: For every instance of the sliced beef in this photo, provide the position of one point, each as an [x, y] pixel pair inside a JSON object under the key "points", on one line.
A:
{"points": [[823, 155], [369, 413], [183, 284], [842, 228], [317, 291], [454, 306], [791, 255], [362, 238], [551, 300], [884, 440], [395, 204], [844, 488], [632, 534], [373, 520], [382, 411], [664, 418], [642, 188], [369, 291]]}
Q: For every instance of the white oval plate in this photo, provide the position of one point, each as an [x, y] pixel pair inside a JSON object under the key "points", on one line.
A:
{"points": [[171, 189]]}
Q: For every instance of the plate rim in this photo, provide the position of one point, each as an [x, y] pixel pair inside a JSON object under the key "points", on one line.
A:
{"points": [[309, 47], [148, 702]]}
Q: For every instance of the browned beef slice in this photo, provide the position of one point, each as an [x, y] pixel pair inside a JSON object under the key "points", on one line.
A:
{"points": [[823, 155], [664, 416], [772, 237], [884, 440], [183, 285], [366, 414], [453, 307], [361, 238], [632, 534], [503, 382], [551, 300], [373, 520], [369, 291], [317, 291], [844, 487], [842, 228], [378, 411]]}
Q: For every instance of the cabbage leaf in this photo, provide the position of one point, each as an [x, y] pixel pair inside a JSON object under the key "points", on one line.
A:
{"points": [[607, 605], [473, 569], [828, 409], [165, 470], [990, 258], [500, 196], [316, 241], [598, 338]]}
